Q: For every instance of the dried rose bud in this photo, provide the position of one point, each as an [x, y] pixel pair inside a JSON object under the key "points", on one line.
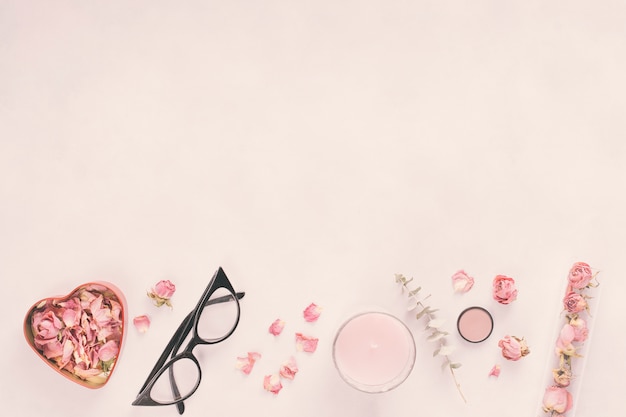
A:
{"points": [[513, 348], [504, 290], [162, 292]]}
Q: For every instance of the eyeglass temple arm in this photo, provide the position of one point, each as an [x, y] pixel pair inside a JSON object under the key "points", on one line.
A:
{"points": [[179, 337]]}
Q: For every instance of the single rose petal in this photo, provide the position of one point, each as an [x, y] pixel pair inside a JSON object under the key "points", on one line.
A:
{"points": [[306, 343], [277, 327], [272, 383], [312, 312], [142, 323], [246, 363], [462, 282], [108, 351], [495, 371], [289, 369]]}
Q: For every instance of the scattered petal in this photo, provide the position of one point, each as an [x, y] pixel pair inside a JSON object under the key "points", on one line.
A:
{"points": [[312, 312], [462, 282], [277, 327], [272, 383], [246, 363], [495, 371], [289, 369], [142, 323], [306, 343]]}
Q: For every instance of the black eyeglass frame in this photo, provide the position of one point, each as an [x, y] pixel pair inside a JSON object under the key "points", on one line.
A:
{"points": [[219, 280]]}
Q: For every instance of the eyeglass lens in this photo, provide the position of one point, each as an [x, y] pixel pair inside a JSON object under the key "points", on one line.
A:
{"points": [[217, 320]]}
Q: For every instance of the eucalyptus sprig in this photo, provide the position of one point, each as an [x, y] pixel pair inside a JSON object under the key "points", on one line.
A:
{"points": [[433, 325]]}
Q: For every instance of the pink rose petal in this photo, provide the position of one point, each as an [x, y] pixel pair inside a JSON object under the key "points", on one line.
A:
{"points": [[246, 363], [272, 383], [277, 327], [462, 282], [108, 351], [306, 343], [312, 312], [289, 369], [495, 371], [142, 323]]}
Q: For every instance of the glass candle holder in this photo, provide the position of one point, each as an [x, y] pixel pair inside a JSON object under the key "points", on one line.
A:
{"points": [[374, 351]]}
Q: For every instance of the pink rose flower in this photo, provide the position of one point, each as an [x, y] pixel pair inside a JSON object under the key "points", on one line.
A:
{"points": [[564, 344], [513, 348], [162, 292], [462, 282], [562, 377], [504, 290], [574, 302], [277, 327], [580, 329], [557, 400], [272, 383], [306, 343], [46, 327], [246, 363], [580, 275], [289, 369], [142, 323], [312, 312], [495, 371]]}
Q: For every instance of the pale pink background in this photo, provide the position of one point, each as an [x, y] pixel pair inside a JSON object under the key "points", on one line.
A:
{"points": [[313, 149]]}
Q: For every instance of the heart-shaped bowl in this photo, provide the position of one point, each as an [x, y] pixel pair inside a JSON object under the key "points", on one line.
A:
{"points": [[79, 335]]}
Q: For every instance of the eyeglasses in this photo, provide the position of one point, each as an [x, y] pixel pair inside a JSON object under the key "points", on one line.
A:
{"points": [[214, 319]]}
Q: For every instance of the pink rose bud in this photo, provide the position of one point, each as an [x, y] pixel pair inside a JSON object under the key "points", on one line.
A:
{"points": [[272, 383], [312, 312], [574, 302], [580, 275], [557, 400], [289, 369], [462, 282], [562, 377], [580, 329], [277, 327], [564, 344], [142, 323], [513, 348], [504, 290], [306, 343], [246, 363], [162, 292]]}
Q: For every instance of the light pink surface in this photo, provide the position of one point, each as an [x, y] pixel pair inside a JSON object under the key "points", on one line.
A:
{"points": [[314, 149]]}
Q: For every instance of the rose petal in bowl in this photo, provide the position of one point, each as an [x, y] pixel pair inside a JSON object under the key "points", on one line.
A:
{"points": [[79, 335]]}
